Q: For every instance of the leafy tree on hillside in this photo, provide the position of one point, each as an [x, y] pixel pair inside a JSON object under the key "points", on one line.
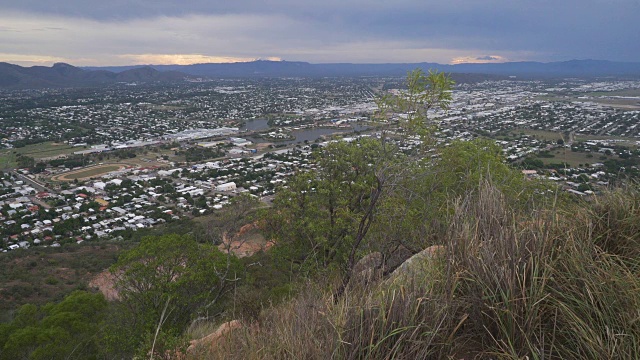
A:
{"points": [[321, 217], [168, 280], [424, 92], [324, 216], [66, 330], [417, 211]]}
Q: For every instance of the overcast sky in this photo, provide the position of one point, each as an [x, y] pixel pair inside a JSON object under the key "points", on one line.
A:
{"points": [[120, 32]]}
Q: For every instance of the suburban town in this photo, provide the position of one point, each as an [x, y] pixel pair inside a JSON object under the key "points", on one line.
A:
{"points": [[319, 180], [87, 165]]}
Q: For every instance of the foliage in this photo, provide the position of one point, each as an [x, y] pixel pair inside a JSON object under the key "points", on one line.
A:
{"points": [[424, 93], [464, 164], [264, 283], [66, 330], [418, 209], [29, 275], [323, 218], [321, 215], [199, 153], [24, 161], [169, 279]]}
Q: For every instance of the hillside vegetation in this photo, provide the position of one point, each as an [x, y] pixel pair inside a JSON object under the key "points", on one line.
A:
{"points": [[554, 283]]}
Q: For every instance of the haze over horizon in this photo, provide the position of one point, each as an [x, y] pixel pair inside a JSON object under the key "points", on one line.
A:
{"points": [[93, 33]]}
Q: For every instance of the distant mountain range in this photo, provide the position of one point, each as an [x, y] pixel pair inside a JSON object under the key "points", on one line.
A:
{"points": [[582, 68], [65, 75]]}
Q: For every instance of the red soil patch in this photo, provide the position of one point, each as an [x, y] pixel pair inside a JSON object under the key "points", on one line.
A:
{"points": [[246, 242], [105, 283]]}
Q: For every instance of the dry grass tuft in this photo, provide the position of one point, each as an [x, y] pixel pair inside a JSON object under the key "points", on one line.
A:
{"points": [[547, 284]]}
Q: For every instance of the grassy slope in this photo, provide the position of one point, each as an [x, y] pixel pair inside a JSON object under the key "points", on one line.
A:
{"points": [[561, 284]]}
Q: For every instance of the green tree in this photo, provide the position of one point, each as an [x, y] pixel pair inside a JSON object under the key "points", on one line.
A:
{"points": [[424, 92], [66, 330], [169, 280], [416, 213], [324, 217]]}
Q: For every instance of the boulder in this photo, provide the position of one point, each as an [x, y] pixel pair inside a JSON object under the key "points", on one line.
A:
{"points": [[396, 257], [417, 265], [370, 261], [367, 269]]}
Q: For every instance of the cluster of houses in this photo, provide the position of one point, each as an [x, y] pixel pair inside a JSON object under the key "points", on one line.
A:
{"points": [[136, 199], [139, 114]]}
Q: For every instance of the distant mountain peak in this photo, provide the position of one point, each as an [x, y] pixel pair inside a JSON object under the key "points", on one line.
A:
{"points": [[62, 64]]}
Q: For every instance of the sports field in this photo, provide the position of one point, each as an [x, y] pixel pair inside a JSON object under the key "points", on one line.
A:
{"points": [[43, 150], [89, 172], [541, 134], [47, 149]]}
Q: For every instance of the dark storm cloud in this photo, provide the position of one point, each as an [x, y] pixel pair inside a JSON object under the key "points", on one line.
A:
{"points": [[541, 29]]}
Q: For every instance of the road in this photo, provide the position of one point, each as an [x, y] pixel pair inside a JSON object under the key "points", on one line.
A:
{"points": [[35, 184], [572, 136]]}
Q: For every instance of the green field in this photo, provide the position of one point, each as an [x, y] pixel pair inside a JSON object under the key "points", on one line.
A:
{"points": [[89, 172], [47, 149], [37, 151], [554, 136], [7, 160], [41, 150], [625, 141], [626, 92], [573, 158], [541, 134], [602, 97]]}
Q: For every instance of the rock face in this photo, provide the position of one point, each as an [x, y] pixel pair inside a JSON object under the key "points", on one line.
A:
{"points": [[417, 265], [214, 338], [368, 269], [396, 257], [246, 242], [105, 283], [374, 266]]}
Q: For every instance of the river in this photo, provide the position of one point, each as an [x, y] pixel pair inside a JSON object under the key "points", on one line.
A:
{"points": [[309, 135]]}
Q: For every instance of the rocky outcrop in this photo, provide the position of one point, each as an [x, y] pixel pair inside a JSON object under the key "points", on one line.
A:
{"points": [[105, 283], [375, 266], [368, 269], [416, 266], [395, 258], [213, 339], [246, 242]]}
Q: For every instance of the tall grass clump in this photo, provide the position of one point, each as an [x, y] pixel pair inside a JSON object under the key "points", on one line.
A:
{"points": [[497, 263], [614, 222], [404, 317], [596, 287], [301, 328], [546, 283]]}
